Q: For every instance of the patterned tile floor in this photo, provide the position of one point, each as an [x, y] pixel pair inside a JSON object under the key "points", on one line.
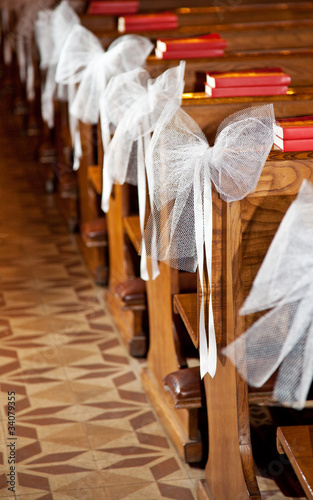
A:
{"points": [[84, 428]]}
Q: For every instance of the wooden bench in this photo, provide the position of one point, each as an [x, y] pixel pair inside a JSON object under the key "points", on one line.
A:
{"points": [[243, 231], [297, 443], [162, 355]]}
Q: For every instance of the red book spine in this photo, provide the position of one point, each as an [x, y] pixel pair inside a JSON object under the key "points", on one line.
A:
{"points": [[119, 7], [302, 128], [157, 26], [164, 17], [246, 91], [191, 54], [294, 145], [199, 43], [248, 81]]}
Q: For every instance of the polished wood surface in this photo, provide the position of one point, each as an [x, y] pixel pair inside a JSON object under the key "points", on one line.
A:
{"points": [[297, 443], [186, 306]]}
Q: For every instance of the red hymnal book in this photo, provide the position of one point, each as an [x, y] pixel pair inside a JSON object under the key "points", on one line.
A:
{"points": [[122, 28], [246, 91], [188, 54], [146, 22], [247, 78], [293, 144], [203, 42], [300, 127], [113, 7]]}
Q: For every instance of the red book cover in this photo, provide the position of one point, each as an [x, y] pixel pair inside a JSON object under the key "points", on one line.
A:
{"points": [[212, 41], [189, 54], [246, 91], [300, 127], [151, 26], [293, 144], [159, 17], [113, 7], [247, 78]]}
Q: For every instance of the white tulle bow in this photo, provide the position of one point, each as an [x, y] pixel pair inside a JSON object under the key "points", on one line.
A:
{"points": [[21, 39], [182, 166], [62, 21], [283, 338], [83, 61], [143, 100]]}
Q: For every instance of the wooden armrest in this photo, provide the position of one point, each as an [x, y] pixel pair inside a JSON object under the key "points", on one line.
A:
{"points": [[132, 292], [185, 388], [297, 443], [94, 232]]}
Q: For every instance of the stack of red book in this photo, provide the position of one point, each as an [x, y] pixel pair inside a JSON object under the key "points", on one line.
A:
{"points": [[294, 134], [147, 22], [252, 82], [185, 48], [113, 7]]}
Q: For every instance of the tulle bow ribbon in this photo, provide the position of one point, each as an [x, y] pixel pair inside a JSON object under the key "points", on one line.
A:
{"points": [[283, 338], [62, 21], [43, 37], [143, 100], [84, 61], [182, 166], [22, 38]]}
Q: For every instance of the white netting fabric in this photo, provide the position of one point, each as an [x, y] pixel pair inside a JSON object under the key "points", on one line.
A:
{"points": [[181, 161], [84, 61], [43, 36], [20, 40], [282, 338], [61, 22], [115, 100], [142, 100], [181, 166]]}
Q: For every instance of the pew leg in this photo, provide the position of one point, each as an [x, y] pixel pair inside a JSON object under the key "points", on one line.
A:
{"points": [[229, 472]]}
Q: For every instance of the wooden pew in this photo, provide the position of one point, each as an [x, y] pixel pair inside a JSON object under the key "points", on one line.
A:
{"points": [[297, 443], [162, 357], [242, 234]]}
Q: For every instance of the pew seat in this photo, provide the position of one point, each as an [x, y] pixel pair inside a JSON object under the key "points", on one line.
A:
{"points": [[297, 443]]}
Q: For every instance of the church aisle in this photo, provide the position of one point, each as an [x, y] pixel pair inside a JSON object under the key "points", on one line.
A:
{"points": [[83, 427]]}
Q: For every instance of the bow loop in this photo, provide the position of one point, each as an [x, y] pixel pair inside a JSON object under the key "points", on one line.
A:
{"points": [[79, 50], [242, 144]]}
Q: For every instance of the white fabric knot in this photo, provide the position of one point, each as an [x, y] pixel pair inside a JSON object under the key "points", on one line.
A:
{"points": [[283, 338]]}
